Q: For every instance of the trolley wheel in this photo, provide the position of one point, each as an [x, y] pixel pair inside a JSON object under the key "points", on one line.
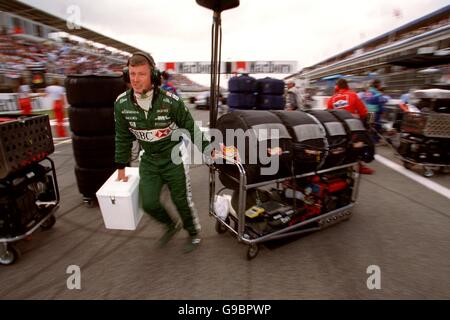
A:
{"points": [[444, 169], [407, 165], [220, 228], [252, 252], [10, 255], [427, 172], [347, 215], [49, 223]]}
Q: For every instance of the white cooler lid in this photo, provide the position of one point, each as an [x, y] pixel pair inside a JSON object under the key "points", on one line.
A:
{"points": [[119, 188]]}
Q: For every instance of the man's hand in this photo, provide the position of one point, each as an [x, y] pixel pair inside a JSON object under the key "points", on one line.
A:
{"points": [[215, 153], [121, 175]]}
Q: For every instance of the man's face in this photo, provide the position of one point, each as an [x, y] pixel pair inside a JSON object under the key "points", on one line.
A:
{"points": [[140, 78]]}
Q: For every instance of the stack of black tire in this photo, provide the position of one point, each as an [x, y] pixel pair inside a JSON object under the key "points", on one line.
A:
{"points": [[91, 117], [247, 93], [306, 142], [242, 93], [270, 94]]}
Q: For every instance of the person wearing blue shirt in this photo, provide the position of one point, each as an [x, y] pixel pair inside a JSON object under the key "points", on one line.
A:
{"points": [[375, 100], [166, 84]]}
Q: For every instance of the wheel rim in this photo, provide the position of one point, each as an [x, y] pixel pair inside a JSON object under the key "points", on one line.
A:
{"points": [[7, 257], [428, 173]]}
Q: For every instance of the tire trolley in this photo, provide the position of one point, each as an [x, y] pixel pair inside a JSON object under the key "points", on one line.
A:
{"points": [[293, 218]]}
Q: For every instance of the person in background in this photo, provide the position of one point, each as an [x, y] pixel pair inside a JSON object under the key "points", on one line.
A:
{"points": [[375, 100], [166, 84], [344, 98], [57, 94], [23, 92], [291, 97]]}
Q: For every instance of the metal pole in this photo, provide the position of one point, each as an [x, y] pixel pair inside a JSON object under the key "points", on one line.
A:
{"points": [[215, 71]]}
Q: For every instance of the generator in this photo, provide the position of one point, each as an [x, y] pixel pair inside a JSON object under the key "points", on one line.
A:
{"points": [[25, 199], [29, 192]]}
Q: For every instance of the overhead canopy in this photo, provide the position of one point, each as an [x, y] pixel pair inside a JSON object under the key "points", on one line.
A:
{"points": [[419, 60], [333, 77], [31, 13]]}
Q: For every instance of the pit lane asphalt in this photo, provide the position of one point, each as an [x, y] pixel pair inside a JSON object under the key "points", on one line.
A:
{"points": [[397, 224]]}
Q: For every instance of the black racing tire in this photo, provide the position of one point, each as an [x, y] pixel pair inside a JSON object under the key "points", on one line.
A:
{"points": [[270, 86], [89, 180], [93, 152], [270, 102], [92, 121], [91, 91], [242, 83], [242, 100]]}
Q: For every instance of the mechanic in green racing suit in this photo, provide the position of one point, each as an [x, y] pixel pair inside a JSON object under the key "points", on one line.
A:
{"points": [[151, 115]]}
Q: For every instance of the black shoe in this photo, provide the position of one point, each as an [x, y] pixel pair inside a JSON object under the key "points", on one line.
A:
{"points": [[192, 244], [171, 231]]}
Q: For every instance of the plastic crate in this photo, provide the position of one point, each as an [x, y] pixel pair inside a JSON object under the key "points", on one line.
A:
{"points": [[23, 140], [434, 125]]}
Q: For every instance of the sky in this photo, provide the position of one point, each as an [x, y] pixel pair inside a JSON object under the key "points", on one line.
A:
{"points": [[299, 30]]}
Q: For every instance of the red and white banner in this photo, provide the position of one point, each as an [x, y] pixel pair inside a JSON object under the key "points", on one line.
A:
{"points": [[204, 67]]}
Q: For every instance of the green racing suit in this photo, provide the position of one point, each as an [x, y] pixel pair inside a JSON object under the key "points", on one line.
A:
{"points": [[155, 132]]}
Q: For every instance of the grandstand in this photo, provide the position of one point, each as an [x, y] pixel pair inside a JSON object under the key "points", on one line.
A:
{"points": [[32, 39], [415, 55]]}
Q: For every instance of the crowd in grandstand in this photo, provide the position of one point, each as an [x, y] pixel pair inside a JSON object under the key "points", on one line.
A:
{"points": [[18, 52]]}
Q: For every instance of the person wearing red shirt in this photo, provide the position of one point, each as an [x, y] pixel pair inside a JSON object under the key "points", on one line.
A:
{"points": [[344, 98]]}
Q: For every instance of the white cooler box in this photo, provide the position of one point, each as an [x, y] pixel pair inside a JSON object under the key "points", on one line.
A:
{"points": [[119, 201]]}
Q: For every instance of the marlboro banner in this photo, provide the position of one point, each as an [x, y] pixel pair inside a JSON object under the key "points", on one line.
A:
{"points": [[231, 67]]}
